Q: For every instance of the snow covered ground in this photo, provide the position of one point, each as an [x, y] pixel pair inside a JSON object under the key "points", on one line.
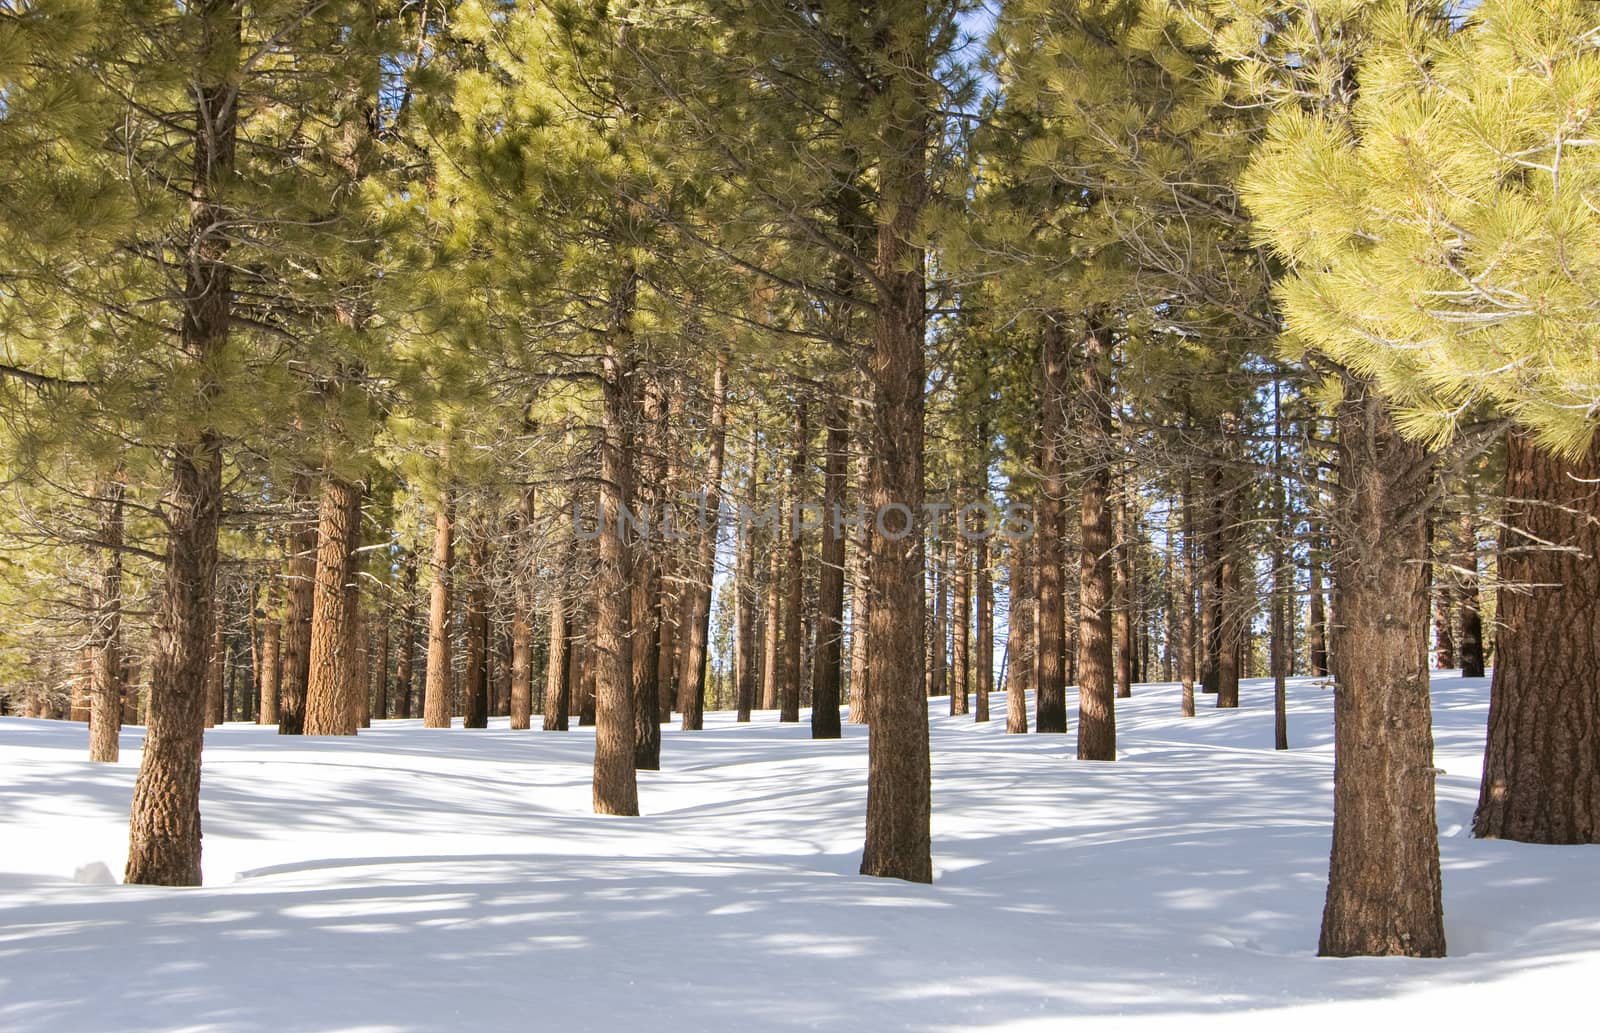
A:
{"points": [[445, 882]]}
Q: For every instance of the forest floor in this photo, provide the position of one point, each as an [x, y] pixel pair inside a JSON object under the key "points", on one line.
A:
{"points": [[414, 880]]}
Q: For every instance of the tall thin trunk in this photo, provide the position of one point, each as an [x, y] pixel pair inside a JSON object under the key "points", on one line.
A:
{"points": [[649, 595], [476, 687], [1122, 596], [331, 691], [1187, 644], [581, 687], [938, 667], [217, 670], [1541, 771], [616, 788], [1097, 722], [860, 600], [358, 694], [697, 612], [960, 626], [1210, 547], [271, 655], [772, 652], [1019, 639], [825, 667], [672, 561], [1383, 875], [105, 634], [164, 825], [405, 666], [747, 672], [1442, 585], [558, 669], [983, 635], [436, 694], [380, 670], [899, 790], [299, 590], [1050, 692], [794, 573], [1282, 583], [1232, 627], [522, 635]]}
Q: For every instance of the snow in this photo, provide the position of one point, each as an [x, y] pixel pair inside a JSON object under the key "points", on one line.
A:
{"points": [[431, 881]]}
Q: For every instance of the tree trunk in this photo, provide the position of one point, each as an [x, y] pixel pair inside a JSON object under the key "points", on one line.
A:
{"points": [[1443, 588], [794, 574], [1541, 771], [1187, 644], [331, 692], [1282, 584], [105, 634], [899, 792], [1210, 552], [359, 691], [164, 826], [558, 669], [747, 672], [938, 668], [164, 831], [436, 698], [522, 637], [380, 671], [1019, 635], [1232, 625], [405, 667], [217, 669], [649, 594], [476, 693], [1383, 876], [299, 591], [772, 652], [960, 626], [697, 612], [1097, 722], [1050, 692], [825, 667], [983, 599], [860, 601], [616, 788], [1122, 597], [271, 657]]}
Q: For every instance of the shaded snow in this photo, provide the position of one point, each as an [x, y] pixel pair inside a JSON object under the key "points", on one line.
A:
{"points": [[417, 880]]}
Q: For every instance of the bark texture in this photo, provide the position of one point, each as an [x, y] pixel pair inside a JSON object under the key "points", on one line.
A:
{"points": [[436, 694], [1541, 771], [615, 787], [164, 826], [825, 666], [794, 573], [1050, 690], [332, 703], [1383, 875], [899, 791], [1097, 721], [558, 669], [105, 635]]}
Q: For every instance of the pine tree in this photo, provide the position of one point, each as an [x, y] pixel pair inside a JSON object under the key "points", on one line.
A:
{"points": [[1436, 231]]}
